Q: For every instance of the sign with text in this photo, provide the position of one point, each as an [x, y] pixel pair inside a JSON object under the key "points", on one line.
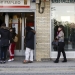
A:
{"points": [[14, 3], [63, 1]]}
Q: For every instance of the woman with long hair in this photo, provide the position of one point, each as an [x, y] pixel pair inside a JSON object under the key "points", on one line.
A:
{"points": [[12, 44], [61, 44]]}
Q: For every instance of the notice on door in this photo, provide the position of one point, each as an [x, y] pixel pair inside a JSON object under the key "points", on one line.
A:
{"points": [[14, 3]]}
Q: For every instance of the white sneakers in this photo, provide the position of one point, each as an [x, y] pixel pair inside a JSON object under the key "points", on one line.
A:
{"points": [[11, 59]]}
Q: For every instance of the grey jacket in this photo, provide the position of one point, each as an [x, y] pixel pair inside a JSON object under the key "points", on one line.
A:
{"points": [[60, 36]]}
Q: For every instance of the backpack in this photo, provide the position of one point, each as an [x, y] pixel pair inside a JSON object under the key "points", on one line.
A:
{"points": [[15, 39]]}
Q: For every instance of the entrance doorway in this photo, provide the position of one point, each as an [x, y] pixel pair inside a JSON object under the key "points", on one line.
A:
{"points": [[19, 21]]}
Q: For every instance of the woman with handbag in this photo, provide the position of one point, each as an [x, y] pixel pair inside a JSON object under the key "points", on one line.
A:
{"points": [[12, 44], [60, 37]]}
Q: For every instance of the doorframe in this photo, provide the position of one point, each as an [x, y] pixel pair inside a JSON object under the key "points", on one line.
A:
{"points": [[21, 52], [53, 54]]}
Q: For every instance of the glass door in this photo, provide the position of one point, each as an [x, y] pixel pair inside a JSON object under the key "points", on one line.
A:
{"points": [[63, 14], [20, 21], [16, 20]]}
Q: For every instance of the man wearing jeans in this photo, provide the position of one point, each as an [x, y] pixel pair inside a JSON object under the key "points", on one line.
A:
{"points": [[29, 45]]}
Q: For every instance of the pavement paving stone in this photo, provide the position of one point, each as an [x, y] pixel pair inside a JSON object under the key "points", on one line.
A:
{"points": [[38, 68]]}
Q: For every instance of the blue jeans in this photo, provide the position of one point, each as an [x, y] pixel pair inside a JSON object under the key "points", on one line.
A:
{"points": [[0, 49]]}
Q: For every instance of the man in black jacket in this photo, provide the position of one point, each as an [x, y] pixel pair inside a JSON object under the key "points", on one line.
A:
{"points": [[5, 37], [29, 45]]}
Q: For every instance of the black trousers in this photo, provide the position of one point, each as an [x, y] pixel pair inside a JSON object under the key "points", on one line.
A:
{"points": [[61, 49], [3, 52]]}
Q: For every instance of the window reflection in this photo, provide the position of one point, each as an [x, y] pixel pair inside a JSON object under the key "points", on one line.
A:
{"points": [[64, 14]]}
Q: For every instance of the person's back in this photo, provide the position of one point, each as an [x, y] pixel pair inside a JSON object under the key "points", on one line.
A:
{"points": [[5, 37], [30, 39], [4, 33]]}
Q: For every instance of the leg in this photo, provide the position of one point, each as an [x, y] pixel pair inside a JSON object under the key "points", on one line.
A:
{"points": [[5, 52], [64, 54], [31, 55], [59, 52], [2, 56], [10, 51], [0, 49], [27, 55]]}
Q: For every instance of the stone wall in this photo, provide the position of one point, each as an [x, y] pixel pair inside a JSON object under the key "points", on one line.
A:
{"points": [[43, 33]]}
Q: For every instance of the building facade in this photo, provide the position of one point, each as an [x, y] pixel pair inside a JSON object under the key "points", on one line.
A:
{"points": [[57, 12], [45, 23]]}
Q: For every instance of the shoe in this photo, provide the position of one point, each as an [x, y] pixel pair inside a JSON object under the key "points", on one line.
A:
{"points": [[30, 61], [1, 62], [10, 60], [25, 61], [56, 61], [64, 61], [4, 61]]}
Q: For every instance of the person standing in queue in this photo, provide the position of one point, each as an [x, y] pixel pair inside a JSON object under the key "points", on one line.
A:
{"points": [[61, 44], [29, 45], [0, 37], [12, 44], [5, 41]]}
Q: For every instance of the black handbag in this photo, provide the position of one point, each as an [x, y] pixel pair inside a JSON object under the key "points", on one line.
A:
{"points": [[55, 43]]}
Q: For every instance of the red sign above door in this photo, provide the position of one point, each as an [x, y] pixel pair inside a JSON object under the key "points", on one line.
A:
{"points": [[14, 3]]}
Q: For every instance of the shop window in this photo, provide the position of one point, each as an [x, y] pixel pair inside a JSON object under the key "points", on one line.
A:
{"points": [[64, 13]]}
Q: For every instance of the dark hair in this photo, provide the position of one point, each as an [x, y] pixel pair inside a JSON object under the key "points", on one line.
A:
{"points": [[62, 27]]}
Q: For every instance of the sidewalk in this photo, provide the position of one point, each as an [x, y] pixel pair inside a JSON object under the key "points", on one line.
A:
{"points": [[37, 68]]}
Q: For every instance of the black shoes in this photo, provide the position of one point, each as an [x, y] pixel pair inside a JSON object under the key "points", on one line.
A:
{"points": [[56, 61], [2, 62], [64, 61], [30, 62]]}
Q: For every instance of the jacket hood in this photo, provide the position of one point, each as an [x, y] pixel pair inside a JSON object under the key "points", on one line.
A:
{"points": [[4, 27]]}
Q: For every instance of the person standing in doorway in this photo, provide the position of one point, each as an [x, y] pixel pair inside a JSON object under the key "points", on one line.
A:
{"points": [[29, 45], [5, 41], [60, 37], [12, 44]]}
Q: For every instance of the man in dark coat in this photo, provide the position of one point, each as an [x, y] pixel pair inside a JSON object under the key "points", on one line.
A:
{"points": [[29, 45], [5, 37]]}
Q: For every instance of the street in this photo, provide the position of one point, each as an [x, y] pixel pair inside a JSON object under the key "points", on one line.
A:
{"points": [[38, 68]]}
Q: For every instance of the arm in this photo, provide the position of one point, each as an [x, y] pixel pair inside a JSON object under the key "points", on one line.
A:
{"points": [[61, 34]]}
